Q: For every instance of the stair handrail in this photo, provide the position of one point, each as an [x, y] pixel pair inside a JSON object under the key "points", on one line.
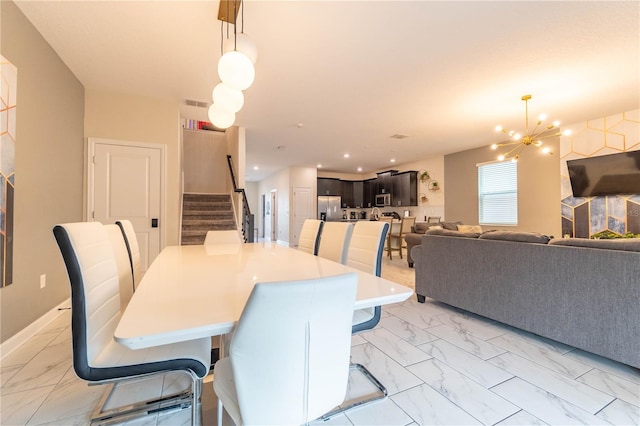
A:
{"points": [[247, 222]]}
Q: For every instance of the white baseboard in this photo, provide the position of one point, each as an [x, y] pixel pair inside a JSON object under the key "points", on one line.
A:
{"points": [[21, 337]]}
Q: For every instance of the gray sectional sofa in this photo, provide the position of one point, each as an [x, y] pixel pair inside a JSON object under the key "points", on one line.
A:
{"points": [[414, 238], [585, 293]]}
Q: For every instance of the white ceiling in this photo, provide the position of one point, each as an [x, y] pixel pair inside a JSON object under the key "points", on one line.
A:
{"points": [[353, 73]]}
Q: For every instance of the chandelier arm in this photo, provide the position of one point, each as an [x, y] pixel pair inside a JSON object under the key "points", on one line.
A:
{"points": [[533, 132], [511, 152], [546, 136], [501, 144]]}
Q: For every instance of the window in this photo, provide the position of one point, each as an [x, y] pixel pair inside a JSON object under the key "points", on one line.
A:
{"points": [[498, 193]]}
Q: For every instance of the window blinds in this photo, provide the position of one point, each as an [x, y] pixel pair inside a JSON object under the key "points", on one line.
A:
{"points": [[498, 193]]}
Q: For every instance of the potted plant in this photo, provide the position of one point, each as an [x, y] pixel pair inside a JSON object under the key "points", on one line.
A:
{"points": [[423, 198], [434, 186], [424, 176]]}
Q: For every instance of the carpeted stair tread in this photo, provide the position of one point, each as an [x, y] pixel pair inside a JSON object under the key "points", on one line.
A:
{"points": [[205, 212]]}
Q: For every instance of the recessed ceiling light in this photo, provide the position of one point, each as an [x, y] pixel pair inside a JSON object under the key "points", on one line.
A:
{"points": [[256, 168], [319, 166], [359, 169], [346, 155], [393, 160]]}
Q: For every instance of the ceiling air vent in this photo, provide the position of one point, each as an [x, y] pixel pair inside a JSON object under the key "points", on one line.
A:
{"points": [[399, 136], [199, 104]]}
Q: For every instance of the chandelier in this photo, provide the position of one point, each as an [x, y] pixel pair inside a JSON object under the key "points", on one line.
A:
{"points": [[235, 68], [532, 137]]}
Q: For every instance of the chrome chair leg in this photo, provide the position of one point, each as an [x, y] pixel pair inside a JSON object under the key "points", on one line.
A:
{"points": [[348, 405], [164, 404]]}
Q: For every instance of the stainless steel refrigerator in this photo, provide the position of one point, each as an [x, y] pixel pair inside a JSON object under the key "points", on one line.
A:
{"points": [[329, 207]]}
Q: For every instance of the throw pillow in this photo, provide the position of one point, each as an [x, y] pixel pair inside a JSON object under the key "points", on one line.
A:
{"points": [[521, 237], [470, 228], [450, 233], [453, 226], [625, 244]]}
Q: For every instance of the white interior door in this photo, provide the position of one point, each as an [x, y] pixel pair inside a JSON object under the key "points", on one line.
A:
{"points": [[126, 182], [274, 215], [301, 210]]}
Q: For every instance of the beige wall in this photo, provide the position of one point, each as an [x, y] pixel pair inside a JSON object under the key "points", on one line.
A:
{"points": [[538, 188], [133, 118], [49, 161], [205, 161]]}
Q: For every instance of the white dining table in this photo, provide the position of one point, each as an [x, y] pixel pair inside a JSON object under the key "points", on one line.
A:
{"points": [[190, 292]]}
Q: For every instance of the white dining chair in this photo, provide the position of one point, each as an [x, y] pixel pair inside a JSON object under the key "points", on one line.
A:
{"points": [[310, 233], [230, 236], [123, 263], [131, 241], [366, 250], [95, 312], [288, 359], [334, 241]]}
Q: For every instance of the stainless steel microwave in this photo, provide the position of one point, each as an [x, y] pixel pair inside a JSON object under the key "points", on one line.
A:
{"points": [[383, 200]]}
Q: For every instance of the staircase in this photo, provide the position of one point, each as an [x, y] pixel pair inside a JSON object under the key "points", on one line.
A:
{"points": [[205, 212]]}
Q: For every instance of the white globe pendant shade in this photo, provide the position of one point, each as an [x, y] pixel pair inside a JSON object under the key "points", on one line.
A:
{"points": [[227, 98], [220, 117], [243, 44], [236, 70]]}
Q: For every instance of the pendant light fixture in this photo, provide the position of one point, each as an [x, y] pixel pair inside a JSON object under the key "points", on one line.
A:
{"points": [[532, 137], [235, 67], [228, 98]]}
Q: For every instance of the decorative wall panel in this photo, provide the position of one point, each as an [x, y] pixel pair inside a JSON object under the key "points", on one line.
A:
{"points": [[8, 96], [583, 217]]}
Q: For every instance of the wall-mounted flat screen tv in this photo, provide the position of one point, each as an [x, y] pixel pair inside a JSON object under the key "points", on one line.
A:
{"points": [[605, 175]]}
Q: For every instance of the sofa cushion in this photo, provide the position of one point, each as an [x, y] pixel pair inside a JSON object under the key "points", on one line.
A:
{"points": [[453, 226], [521, 237], [422, 227], [470, 228], [450, 233], [625, 244]]}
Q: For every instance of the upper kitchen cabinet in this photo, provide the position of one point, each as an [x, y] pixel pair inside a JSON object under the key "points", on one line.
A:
{"points": [[329, 186], [369, 191], [384, 182], [404, 189], [347, 193], [358, 194]]}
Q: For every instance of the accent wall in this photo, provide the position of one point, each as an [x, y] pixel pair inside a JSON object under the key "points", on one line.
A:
{"points": [[586, 216]]}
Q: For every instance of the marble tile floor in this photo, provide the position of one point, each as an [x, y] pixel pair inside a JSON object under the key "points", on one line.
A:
{"points": [[440, 365]]}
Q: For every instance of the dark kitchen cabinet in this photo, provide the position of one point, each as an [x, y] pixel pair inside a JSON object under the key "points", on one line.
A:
{"points": [[384, 182], [405, 189], [329, 186], [347, 193], [369, 189], [358, 194]]}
